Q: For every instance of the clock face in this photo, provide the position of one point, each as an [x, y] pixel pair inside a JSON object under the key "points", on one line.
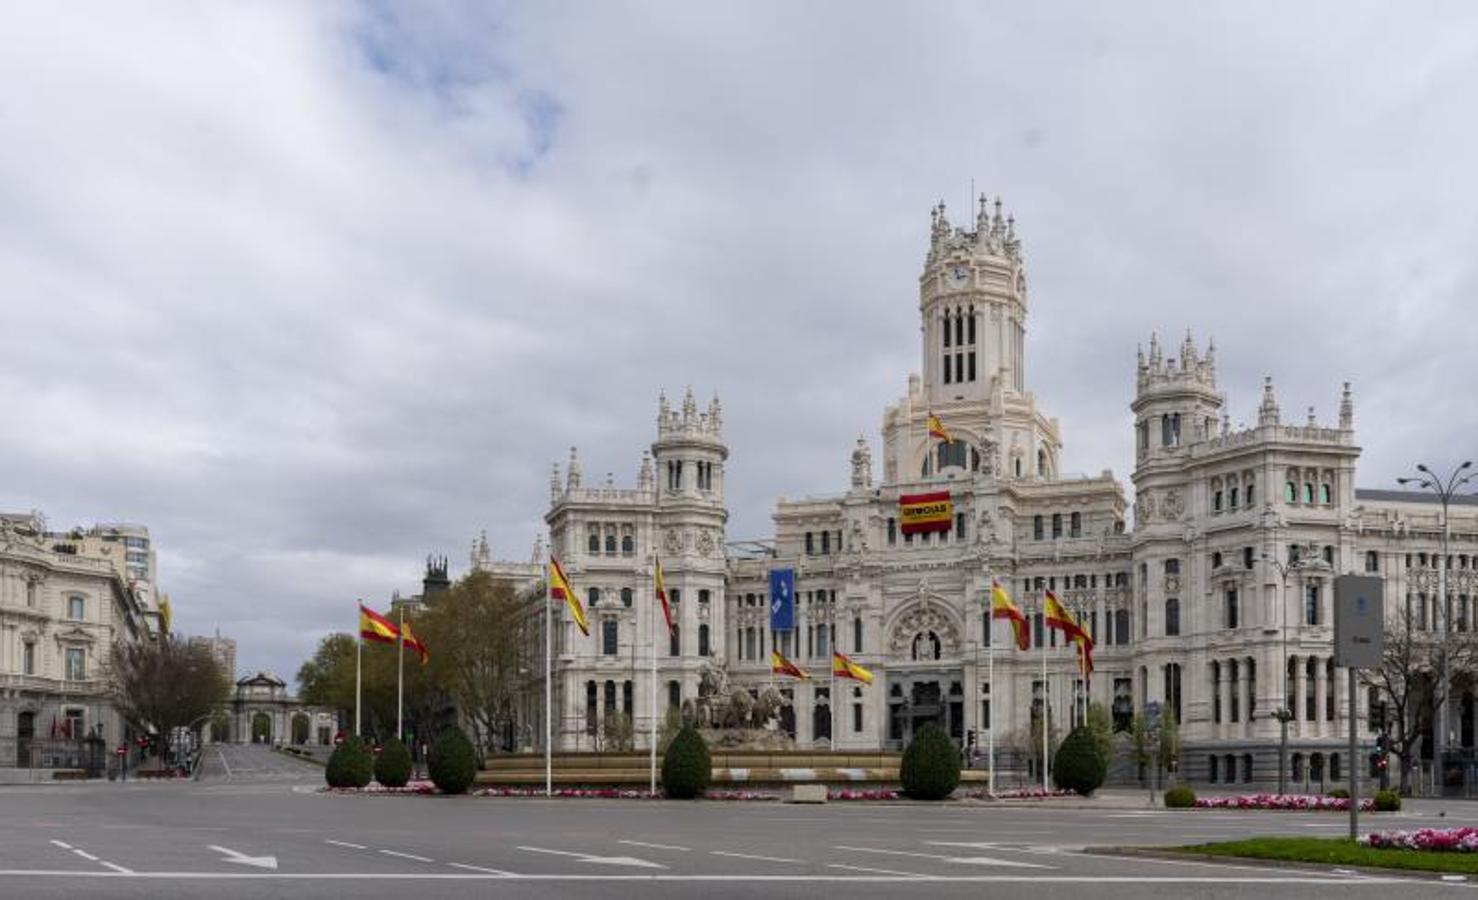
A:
{"points": [[959, 275]]}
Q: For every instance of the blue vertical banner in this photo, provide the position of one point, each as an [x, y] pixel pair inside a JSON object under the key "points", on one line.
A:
{"points": [[782, 599]]}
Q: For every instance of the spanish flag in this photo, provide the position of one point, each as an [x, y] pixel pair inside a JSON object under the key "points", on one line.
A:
{"points": [[1001, 607], [375, 627], [1057, 616], [936, 428], [414, 643], [782, 666], [842, 667], [661, 590], [559, 589], [921, 513]]}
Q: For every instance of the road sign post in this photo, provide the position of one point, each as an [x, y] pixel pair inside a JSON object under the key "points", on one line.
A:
{"points": [[1359, 638]]}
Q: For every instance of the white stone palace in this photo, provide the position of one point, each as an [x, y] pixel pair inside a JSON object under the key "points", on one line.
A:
{"points": [[1213, 601]]}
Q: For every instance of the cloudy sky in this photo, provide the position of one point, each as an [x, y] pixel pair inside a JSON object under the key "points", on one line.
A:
{"points": [[316, 289]]}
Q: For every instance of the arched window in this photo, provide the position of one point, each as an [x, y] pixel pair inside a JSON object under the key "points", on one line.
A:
{"points": [[1325, 494], [592, 597], [1172, 617], [1297, 765], [1121, 626], [1316, 767], [857, 635], [1311, 709], [1247, 767], [1215, 673], [611, 543], [1230, 762], [1037, 528], [1308, 496], [1042, 463], [1056, 525], [1212, 764], [592, 705], [628, 545], [626, 597], [674, 643], [1018, 467], [1216, 501], [1232, 498], [952, 453], [1231, 608], [1372, 561], [703, 648], [1334, 767], [1311, 604], [1075, 525], [1329, 683], [593, 545], [1290, 492], [1251, 492], [674, 695]]}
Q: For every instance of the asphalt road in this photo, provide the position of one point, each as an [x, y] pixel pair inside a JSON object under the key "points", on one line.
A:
{"points": [[270, 834]]}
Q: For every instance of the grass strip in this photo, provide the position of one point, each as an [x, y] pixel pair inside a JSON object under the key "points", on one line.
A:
{"points": [[1340, 852]]}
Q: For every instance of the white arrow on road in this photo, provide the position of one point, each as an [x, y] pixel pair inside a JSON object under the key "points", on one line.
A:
{"points": [[604, 860], [261, 862], [966, 860]]}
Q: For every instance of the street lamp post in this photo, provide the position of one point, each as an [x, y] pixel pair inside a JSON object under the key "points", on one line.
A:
{"points": [[1445, 489], [1285, 713]]}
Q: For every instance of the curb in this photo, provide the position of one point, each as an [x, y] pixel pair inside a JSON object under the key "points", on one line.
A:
{"points": [[1165, 853]]}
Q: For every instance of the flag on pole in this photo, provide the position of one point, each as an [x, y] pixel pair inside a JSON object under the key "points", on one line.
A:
{"points": [[842, 667], [414, 643], [375, 627], [1057, 616], [1001, 607], [661, 589], [937, 429], [782, 666], [559, 589]]}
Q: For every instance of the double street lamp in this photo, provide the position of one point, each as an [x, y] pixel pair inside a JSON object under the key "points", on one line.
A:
{"points": [[1284, 714], [1445, 489]]}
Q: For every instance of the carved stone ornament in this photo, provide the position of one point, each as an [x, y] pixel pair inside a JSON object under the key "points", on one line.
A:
{"points": [[1172, 584], [1147, 506], [672, 541], [921, 619], [1173, 505], [706, 542]]}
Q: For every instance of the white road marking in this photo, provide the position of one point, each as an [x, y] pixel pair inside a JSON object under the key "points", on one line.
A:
{"points": [[234, 856], [63, 844], [85, 855], [753, 856], [407, 856], [655, 846], [967, 860], [606, 860], [1454, 878], [345, 844], [1034, 878], [483, 869], [882, 871]]}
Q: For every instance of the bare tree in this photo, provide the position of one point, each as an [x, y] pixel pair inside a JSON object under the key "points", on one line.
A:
{"points": [[166, 683], [1408, 682]]}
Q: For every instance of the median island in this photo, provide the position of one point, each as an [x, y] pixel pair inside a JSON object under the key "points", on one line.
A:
{"points": [[1425, 851]]}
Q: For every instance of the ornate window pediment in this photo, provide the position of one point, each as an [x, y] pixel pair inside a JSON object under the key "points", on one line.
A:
{"points": [[924, 633]]}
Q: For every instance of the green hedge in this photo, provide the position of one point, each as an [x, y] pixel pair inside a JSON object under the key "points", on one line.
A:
{"points": [[453, 762], [1180, 797], [350, 765], [1387, 801], [931, 765], [393, 767], [1079, 765], [686, 766]]}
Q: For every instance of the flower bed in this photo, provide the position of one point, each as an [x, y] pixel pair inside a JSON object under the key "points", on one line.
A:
{"points": [[853, 794], [1447, 840], [414, 787], [1283, 802], [1020, 794]]}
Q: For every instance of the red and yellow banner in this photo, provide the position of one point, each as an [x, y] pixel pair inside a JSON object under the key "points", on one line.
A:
{"points": [[414, 643], [782, 666], [937, 429], [842, 667], [1057, 616], [559, 589], [375, 627], [925, 513], [661, 590]]}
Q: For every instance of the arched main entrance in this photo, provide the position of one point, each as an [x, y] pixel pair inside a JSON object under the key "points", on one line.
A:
{"points": [[261, 728], [301, 727]]}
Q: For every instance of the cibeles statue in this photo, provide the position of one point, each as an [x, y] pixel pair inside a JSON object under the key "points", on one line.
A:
{"points": [[732, 717]]}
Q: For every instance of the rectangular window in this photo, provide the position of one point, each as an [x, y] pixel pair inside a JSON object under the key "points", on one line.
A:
{"points": [[971, 357], [1057, 525], [970, 327], [28, 658], [1231, 601], [1075, 525], [75, 669], [947, 369], [75, 608], [825, 543], [892, 532], [959, 367], [609, 634], [856, 718], [810, 544], [960, 526], [985, 705]]}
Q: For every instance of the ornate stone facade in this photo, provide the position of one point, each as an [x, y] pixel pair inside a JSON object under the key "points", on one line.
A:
{"points": [[1188, 605]]}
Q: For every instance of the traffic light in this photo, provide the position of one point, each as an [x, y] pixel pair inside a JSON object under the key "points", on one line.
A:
{"points": [[1382, 744], [970, 739]]}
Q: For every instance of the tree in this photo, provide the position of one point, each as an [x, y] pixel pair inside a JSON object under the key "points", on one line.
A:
{"points": [[618, 732], [165, 683], [453, 764], [930, 769], [393, 765], [1409, 682], [1101, 723], [1080, 764], [327, 679], [687, 766], [1139, 744], [1169, 749], [479, 634]]}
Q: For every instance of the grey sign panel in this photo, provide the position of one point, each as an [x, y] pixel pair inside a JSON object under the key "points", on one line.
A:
{"points": [[1359, 621]]}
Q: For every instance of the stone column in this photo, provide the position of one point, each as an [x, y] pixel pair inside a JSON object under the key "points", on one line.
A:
{"points": [[1321, 689], [1299, 687]]}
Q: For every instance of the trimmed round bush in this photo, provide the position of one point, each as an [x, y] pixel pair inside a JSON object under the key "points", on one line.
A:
{"points": [[1387, 801], [350, 765], [1340, 794], [1180, 797], [453, 762], [686, 766], [931, 765], [393, 766], [1079, 765]]}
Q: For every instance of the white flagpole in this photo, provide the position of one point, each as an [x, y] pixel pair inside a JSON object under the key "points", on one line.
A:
{"points": [[1046, 694], [358, 665], [549, 687], [400, 679], [990, 680], [652, 618]]}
